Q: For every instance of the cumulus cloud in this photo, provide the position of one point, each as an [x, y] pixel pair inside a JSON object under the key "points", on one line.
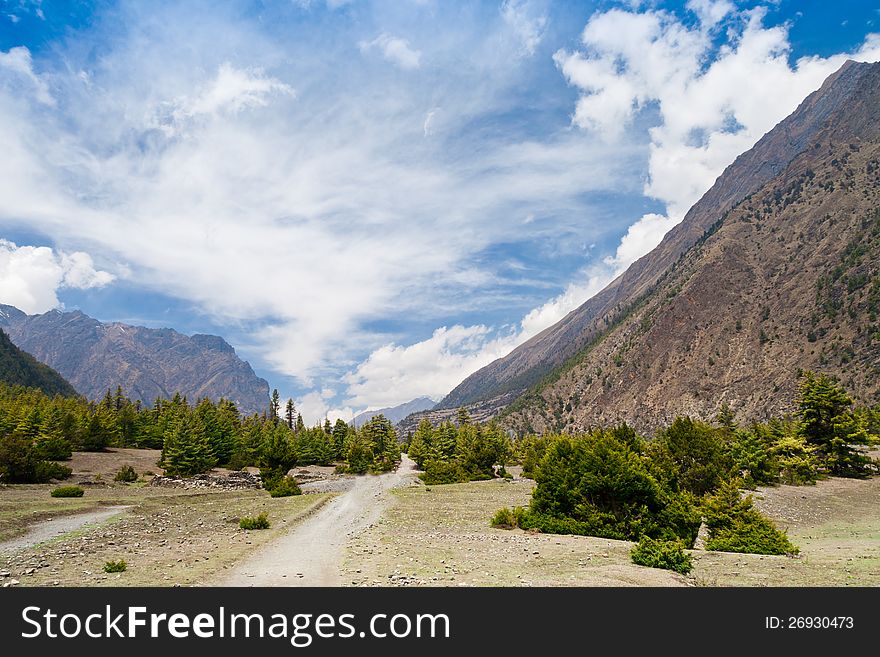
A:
{"points": [[711, 12], [30, 276], [395, 50], [16, 65], [712, 102]]}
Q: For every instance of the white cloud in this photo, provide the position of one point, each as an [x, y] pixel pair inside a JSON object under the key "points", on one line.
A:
{"points": [[631, 61], [231, 91], [395, 50], [712, 106], [30, 276], [711, 12], [394, 374], [527, 22], [19, 63]]}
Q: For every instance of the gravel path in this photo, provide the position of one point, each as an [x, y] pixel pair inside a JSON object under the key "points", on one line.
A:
{"points": [[311, 553], [49, 529]]}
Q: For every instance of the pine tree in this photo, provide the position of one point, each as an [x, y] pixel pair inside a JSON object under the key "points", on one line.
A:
{"points": [[275, 406], [290, 414], [827, 422], [187, 450], [422, 444], [340, 431]]}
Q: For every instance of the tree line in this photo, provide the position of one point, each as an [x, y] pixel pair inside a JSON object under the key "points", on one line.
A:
{"points": [[37, 431]]}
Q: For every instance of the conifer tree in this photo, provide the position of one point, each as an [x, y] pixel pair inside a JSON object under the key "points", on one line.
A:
{"points": [[187, 450], [290, 414], [275, 406], [828, 423]]}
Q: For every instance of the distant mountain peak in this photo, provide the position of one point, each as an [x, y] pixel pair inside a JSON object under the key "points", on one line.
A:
{"points": [[396, 413], [146, 363]]}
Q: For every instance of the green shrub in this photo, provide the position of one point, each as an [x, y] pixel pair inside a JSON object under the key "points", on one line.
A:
{"points": [[126, 474], [68, 491], [736, 526], [599, 484], [668, 555], [285, 487], [115, 566], [260, 522], [504, 519], [444, 472], [45, 471]]}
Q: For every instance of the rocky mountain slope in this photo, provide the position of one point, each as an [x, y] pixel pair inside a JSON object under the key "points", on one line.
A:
{"points": [[20, 368], [147, 363], [788, 279], [844, 99], [396, 413]]}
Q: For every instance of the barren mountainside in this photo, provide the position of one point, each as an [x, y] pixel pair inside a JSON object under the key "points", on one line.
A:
{"points": [[147, 363], [839, 109], [787, 280]]}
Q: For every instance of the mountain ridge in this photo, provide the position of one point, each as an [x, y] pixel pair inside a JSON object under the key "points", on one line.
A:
{"points": [[787, 279], [17, 367], [526, 365], [147, 363]]}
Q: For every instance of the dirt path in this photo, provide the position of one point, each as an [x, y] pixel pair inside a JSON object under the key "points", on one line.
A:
{"points": [[49, 529], [311, 554]]}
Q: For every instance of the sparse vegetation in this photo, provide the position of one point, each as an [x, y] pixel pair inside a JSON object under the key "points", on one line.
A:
{"points": [[115, 566], [668, 555], [259, 522], [126, 474]]}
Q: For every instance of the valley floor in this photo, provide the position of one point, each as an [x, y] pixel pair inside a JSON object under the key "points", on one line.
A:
{"points": [[440, 536], [389, 531]]}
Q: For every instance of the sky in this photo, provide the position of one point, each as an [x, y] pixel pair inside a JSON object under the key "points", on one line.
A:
{"points": [[370, 200]]}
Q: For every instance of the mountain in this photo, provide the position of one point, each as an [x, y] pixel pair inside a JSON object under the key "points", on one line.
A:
{"points": [[147, 363], [396, 413], [773, 269], [20, 368]]}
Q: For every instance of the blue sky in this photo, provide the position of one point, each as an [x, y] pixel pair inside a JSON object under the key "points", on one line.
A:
{"points": [[371, 200]]}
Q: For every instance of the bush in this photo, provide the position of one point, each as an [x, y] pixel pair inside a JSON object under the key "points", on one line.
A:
{"points": [[598, 484], [260, 522], [736, 526], [68, 491], [115, 566], [692, 456], [285, 487], [444, 472], [504, 519], [668, 555], [126, 474]]}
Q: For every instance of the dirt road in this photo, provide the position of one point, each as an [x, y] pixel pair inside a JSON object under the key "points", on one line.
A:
{"points": [[49, 529], [311, 553]]}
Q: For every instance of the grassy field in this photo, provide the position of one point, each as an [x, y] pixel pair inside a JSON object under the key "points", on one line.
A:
{"points": [[440, 536], [168, 536]]}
